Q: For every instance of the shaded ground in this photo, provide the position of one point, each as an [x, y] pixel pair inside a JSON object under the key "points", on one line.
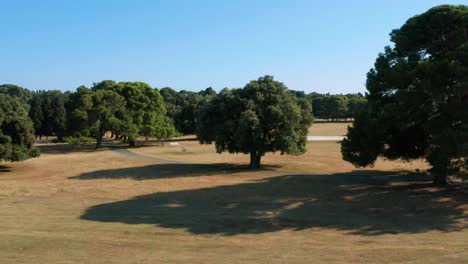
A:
{"points": [[354, 203], [130, 154], [167, 170], [4, 168]]}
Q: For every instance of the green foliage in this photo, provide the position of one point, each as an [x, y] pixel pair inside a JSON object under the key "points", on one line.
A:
{"points": [[262, 117], [418, 96], [48, 113], [79, 140], [106, 106], [182, 107], [356, 104], [20, 93], [335, 107], [143, 111], [77, 107], [16, 130], [34, 152]]}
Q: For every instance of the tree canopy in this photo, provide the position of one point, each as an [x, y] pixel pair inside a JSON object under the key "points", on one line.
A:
{"points": [[418, 96], [335, 107], [142, 113], [15, 91], [259, 118], [182, 107], [48, 113], [16, 130]]}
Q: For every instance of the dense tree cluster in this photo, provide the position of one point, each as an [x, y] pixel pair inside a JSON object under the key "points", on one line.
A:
{"points": [[126, 109], [48, 114], [418, 96], [182, 107], [337, 107]]}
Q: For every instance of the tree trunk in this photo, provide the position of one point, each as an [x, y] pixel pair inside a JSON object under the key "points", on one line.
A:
{"points": [[99, 138], [440, 179], [440, 162], [98, 142], [255, 159]]}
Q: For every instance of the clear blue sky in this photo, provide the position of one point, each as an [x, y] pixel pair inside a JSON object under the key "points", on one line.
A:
{"points": [[322, 46]]}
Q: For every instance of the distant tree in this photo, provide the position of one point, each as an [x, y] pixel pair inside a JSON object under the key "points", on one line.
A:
{"points": [[207, 92], [145, 112], [145, 107], [356, 105], [16, 131], [161, 129], [299, 94], [182, 107], [104, 85], [106, 105], [334, 107], [170, 98], [316, 100], [186, 120], [262, 117], [20, 93], [48, 113], [36, 114], [418, 96], [78, 107]]}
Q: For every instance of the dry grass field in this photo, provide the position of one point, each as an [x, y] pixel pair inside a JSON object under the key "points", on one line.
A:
{"points": [[329, 129], [186, 204]]}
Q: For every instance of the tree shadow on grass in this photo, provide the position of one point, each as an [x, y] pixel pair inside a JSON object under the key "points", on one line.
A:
{"points": [[66, 148], [70, 148], [4, 168], [372, 204], [170, 170]]}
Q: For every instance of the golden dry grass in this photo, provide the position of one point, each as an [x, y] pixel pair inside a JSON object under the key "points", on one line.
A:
{"points": [[80, 206], [321, 157], [329, 129]]}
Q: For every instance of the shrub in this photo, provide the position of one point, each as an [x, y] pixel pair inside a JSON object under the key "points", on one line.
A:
{"points": [[79, 140], [34, 153]]}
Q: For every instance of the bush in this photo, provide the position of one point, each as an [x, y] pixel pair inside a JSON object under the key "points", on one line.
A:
{"points": [[79, 140], [34, 153]]}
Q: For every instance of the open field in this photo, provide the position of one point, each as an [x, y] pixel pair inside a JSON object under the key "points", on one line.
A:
{"points": [[317, 129], [329, 129], [321, 157], [74, 205]]}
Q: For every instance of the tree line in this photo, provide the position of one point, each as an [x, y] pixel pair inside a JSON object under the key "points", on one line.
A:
{"points": [[334, 107], [271, 117], [125, 109], [131, 109]]}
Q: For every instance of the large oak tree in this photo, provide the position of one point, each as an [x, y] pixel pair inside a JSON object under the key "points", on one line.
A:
{"points": [[262, 117]]}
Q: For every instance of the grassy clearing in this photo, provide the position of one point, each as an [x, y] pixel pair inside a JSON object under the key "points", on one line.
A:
{"points": [[73, 205], [329, 129]]}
